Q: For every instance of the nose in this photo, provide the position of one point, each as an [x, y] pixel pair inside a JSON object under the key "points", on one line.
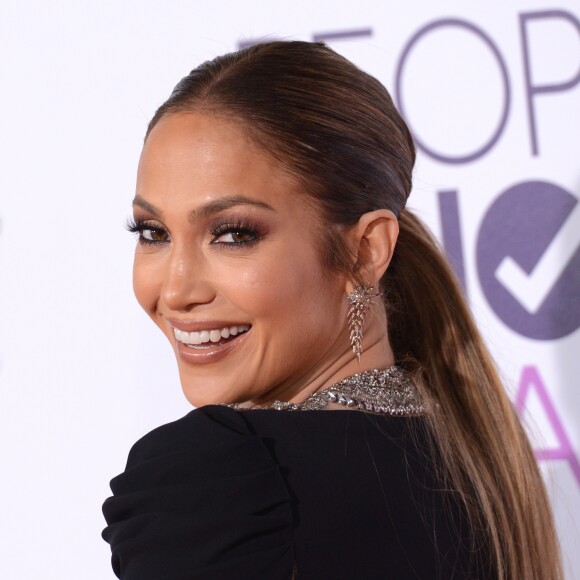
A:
{"points": [[186, 281]]}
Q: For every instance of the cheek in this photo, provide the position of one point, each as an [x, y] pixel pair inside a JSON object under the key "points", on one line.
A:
{"points": [[146, 283], [250, 289], [285, 287]]}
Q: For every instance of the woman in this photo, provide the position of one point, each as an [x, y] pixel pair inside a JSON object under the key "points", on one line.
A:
{"points": [[350, 422]]}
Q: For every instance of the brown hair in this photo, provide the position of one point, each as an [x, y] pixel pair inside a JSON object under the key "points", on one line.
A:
{"points": [[338, 131]]}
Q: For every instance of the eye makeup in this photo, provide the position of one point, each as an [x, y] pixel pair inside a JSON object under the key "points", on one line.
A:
{"points": [[236, 231], [229, 231], [148, 233]]}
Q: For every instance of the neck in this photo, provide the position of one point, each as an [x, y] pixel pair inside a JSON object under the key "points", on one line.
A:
{"points": [[377, 354]]}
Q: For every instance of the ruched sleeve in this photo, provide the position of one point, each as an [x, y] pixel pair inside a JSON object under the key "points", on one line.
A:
{"points": [[200, 498]]}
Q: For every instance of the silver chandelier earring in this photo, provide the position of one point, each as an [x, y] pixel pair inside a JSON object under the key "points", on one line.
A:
{"points": [[360, 301]]}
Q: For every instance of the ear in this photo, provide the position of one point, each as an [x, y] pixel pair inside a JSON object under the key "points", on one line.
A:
{"points": [[373, 242]]}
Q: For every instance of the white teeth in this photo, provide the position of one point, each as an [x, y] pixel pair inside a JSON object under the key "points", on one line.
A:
{"points": [[205, 336]]}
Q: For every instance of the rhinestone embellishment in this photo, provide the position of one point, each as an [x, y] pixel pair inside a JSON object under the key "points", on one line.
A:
{"points": [[378, 391], [359, 300]]}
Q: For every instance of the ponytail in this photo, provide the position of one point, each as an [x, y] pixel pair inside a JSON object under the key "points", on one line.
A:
{"points": [[485, 452]]}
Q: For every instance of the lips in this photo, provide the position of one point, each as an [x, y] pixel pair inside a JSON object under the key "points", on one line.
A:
{"points": [[206, 342], [207, 338]]}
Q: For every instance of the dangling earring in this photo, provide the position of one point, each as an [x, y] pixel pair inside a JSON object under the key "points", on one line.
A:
{"points": [[360, 300]]}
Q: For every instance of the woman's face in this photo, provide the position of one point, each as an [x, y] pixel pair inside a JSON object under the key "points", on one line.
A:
{"points": [[227, 264]]}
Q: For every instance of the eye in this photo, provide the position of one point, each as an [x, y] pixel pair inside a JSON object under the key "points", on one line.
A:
{"points": [[153, 235], [235, 237], [147, 233], [234, 234]]}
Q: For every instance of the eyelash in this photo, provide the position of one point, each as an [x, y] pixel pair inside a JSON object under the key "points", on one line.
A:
{"points": [[216, 230], [239, 226], [139, 226]]}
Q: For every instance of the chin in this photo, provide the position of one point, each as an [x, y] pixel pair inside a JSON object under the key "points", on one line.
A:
{"points": [[201, 392]]}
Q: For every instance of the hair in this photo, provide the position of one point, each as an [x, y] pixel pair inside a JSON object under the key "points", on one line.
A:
{"points": [[337, 130]]}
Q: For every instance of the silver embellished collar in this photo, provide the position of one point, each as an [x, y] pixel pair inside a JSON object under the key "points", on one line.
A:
{"points": [[378, 391]]}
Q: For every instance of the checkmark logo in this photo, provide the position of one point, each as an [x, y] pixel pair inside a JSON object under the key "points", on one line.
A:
{"points": [[528, 259], [532, 288]]}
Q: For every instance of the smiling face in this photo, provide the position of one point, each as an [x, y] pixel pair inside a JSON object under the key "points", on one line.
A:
{"points": [[228, 265]]}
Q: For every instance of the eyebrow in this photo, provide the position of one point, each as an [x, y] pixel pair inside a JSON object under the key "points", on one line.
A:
{"points": [[209, 208]]}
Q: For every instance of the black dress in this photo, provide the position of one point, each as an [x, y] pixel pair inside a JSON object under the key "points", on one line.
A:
{"points": [[265, 494]]}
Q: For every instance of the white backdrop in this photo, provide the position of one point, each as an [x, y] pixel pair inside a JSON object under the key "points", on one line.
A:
{"points": [[491, 91]]}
